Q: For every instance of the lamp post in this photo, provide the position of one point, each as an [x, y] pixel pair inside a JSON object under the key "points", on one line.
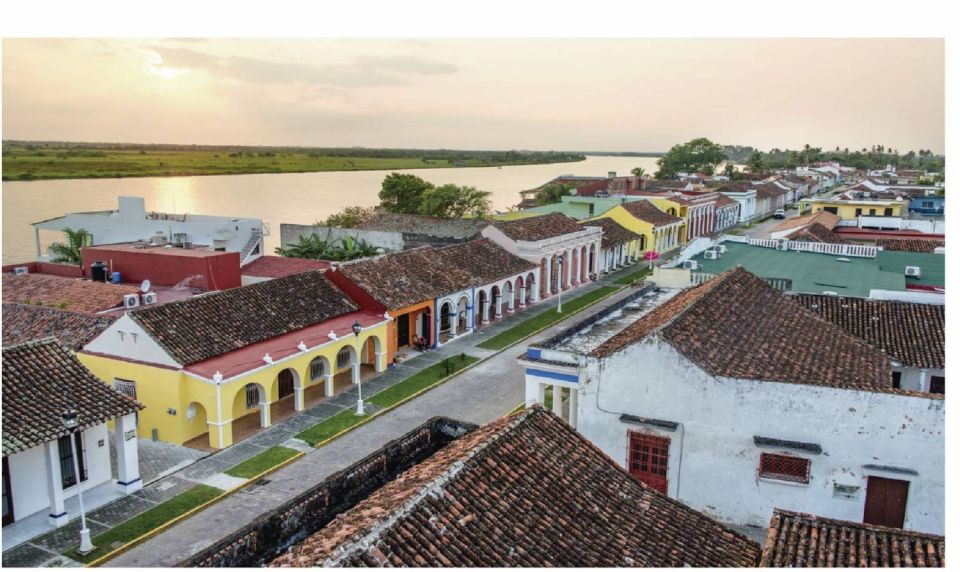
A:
{"points": [[357, 328], [70, 421], [559, 261]]}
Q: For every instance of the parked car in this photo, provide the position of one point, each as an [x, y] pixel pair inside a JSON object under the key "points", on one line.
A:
{"points": [[779, 213]]}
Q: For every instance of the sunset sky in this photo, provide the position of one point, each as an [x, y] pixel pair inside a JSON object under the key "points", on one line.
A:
{"points": [[569, 94]]}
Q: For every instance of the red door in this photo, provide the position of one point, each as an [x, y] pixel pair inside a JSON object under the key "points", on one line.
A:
{"points": [[886, 503], [647, 459]]}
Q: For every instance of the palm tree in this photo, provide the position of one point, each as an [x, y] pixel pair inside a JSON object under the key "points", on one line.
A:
{"points": [[755, 163], [69, 253], [638, 171]]}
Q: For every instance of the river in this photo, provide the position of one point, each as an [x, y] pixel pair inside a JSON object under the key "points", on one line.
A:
{"points": [[276, 198]]}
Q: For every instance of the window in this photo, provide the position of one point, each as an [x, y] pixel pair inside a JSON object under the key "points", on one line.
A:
{"points": [[927, 204], [936, 385], [343, 358], [591, 208], [873, 212], [126, 387], [896, 379], [317, 369], [647, 459], [253, 395], [858, 212], [784, 468], [68, 477]]}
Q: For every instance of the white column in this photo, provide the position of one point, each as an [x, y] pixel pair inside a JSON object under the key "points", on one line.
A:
{"points": [[535, 293], [567, 268], [511, 300], [584, 271], [498, 305], [623, 255], [523, 296], [265, 413], [58, 513], [541, 393], [485, 312], [558, 401], [452, 318], [533, 393], [298, 404], [381, 362], [355, 370], [128, 459], [471, 317], [548, 282], [924, 386], [573, 406], [328, 384]]}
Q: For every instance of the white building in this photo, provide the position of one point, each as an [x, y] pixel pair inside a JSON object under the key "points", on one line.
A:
{"points": [[131, 222], [566, 252], [41, 381], [733, 399], [744, 194], [619, 246]]}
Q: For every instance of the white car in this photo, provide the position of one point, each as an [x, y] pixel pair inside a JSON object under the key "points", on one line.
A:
{"points": [[779, 213]]}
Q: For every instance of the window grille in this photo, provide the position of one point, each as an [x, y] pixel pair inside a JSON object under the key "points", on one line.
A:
{"points": [[68, 477], [126, 387], [343, 358], [937, 384], [784, 468], [317, 369], [253, 395]]}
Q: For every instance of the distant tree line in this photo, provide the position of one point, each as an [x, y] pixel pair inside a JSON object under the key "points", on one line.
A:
{"points": [[874, 157]]}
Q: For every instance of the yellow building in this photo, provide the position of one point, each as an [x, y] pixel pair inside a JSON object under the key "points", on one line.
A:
{"points": [[215, 369], [659, 230], [852, 209]]}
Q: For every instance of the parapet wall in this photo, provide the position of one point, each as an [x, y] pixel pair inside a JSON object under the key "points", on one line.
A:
{"points": [[267, 537]]}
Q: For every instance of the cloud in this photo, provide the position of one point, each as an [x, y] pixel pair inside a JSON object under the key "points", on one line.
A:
{"points": [[363, 72]]}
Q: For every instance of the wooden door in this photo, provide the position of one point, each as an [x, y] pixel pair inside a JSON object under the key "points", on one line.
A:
{"points": [[286, 383], [886, 503], [403, 330], [647, 459]]}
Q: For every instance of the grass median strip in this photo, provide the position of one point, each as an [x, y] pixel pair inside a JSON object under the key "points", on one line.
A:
{"points": [[387, 398], [537, 323], [630, 278], [146, 521], [261, 462]]}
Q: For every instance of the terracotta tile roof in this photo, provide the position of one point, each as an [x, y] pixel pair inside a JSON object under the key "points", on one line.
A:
{"points": [[665, 184], [737, 187], [614, 233], [541, 227], [770, 190], [591, 188], [400, 279], [736, 325], [23, 323], [912, 334], [43, 379], [908, 245], [73, 293], [484, 260], [281, 266], [200, 328], [724, 201], [816, 232], [525, 490], [827, 219], [459, 228], [648, 212], [797, 540]]}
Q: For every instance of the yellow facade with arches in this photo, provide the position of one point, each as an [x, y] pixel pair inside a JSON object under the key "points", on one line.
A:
{"points": [[184, 407]]}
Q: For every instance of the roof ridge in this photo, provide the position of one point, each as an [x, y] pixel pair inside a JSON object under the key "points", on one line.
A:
{"points": [[30, 343], [878, 527]]}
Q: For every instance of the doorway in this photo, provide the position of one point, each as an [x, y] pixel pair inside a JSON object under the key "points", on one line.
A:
{"points": [[7, 495], [285, 380], [403, 330], [886, 503], [647, 458]]}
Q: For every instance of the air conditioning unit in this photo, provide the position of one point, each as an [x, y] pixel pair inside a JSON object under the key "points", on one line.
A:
{"points": [[711, 255], [131, 301], [721, 248], [690, 265], [912, 271], [187, 244], [782, 244], [830, 293], [149, 298], [20, 271]]}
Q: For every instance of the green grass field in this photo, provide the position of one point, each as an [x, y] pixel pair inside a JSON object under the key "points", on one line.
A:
{"points": [[261, 462], [26, 162], [146, 521], [386, 398], [537, 323]]}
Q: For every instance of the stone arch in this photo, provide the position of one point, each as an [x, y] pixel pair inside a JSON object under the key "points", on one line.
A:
{"points": [[372, 353], [251, 410], [196, 416], [288, 393], [447, 309], [463, 313], [519, 293], [531, 286], [496, 303], [317, 370], [507, 301]]}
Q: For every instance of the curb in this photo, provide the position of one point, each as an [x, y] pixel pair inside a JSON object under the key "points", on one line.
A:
{"points": [[148, 535]]}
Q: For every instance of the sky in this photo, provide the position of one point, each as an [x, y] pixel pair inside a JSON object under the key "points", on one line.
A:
{"points": [[543, 94]]}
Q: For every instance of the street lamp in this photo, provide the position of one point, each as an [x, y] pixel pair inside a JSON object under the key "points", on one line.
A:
{"points": [[71, 420], [559, 260], [357, 328]]}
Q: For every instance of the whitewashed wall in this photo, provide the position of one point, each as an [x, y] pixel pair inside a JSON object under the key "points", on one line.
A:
{"points": [[28, 473], [716, 472]]}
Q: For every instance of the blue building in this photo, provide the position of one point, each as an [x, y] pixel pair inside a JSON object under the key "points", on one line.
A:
{"points": [[927, 205]]}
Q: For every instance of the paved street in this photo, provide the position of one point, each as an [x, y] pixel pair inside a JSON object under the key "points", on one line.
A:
{"points": [[488, 391]]}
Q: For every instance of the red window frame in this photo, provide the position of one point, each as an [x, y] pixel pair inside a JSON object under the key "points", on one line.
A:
{"points": [[648, 458], [783, 467]]}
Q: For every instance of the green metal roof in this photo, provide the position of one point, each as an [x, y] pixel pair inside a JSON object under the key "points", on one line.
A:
{"points": [[817, 273], [932, 271]]}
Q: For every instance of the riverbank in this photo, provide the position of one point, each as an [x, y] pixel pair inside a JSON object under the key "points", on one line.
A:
{"points": [[26, 161]]}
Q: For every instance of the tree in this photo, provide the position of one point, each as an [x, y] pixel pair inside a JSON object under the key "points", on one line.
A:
{"points": [[350, 217], [402, 193], [316, 248], [638, 171], [697, 155], [69, 253], [454, 201], [553, 192], [353, 248], [729, 170], [755, 163]]}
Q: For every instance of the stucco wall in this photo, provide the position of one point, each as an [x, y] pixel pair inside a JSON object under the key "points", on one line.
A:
{"points": [[28, 473], [390, 241], [717, 469]]}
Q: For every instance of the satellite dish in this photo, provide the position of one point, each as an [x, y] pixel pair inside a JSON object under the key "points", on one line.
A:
{"points": [[145, 286]]}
